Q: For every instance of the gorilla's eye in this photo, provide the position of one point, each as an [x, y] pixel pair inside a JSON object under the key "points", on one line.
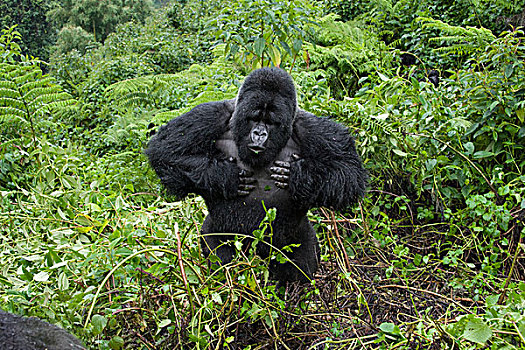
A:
{"points": [[254, 115], [273, 118]]}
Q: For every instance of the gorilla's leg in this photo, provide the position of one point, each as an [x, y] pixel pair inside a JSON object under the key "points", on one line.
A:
{"points": [[216, 243], [30, 333], [306, 257]]}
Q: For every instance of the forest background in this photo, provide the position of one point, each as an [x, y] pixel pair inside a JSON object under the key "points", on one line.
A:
{"points": [[432, 258]]}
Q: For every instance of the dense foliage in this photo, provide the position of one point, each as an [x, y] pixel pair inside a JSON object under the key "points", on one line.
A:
{"points": [[29, 16], [432, 258]]}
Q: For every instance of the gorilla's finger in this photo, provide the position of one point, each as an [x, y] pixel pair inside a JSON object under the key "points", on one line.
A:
{"points": [[247, 180], [282, 164], [244, 187], [282, 185], [280, 170], [245, 173], [279, 178]]}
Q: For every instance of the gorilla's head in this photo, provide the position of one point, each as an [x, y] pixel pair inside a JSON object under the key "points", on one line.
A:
{"points": [[264, 112]]}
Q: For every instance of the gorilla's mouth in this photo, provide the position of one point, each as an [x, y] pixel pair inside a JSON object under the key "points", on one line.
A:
{"points": [[256, 148]]}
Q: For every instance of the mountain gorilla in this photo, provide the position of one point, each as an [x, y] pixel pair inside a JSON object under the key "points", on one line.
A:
{"points": [[30, 333], [260, 147]]}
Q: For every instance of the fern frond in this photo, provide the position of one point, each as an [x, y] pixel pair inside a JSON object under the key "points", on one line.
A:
{"points": [[32, 85], [25, 93], [462, 40], [12, 111], [137, 84], [379, 126], [7, 84], [13, 118], [168, 115], [12, 102], [7, 92], [135, 99], [40, 92]]}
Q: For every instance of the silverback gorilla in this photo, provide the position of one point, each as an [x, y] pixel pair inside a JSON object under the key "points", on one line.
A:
{"points": [[30, 333], [260, 147]]}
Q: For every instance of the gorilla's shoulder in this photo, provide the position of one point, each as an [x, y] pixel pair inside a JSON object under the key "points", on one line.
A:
{"points": [[217, 112], [204, 122]]}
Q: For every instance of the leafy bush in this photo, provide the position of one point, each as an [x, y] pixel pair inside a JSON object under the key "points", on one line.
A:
{"points": [[73, 38], [347, 52], [30, 18], [99, 18], [264, 33], [27, 100]]}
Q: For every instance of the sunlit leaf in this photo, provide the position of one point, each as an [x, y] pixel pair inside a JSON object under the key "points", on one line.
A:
{"points": [[477, 331]]}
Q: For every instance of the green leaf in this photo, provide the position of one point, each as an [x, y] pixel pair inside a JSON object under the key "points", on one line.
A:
{"points": [[297, 45], [492, 300], [229, 339], [116, 343], [99, 322], [415, 83], [41, 276], [469, 146], [286, 47], [383, 77], [482, 154], [521, 114], [258, 46], [63, 282], [430, 164], [272, 213], [508, 70], [216, 297], [400, 153], [165, 322], [238, 245], [477, 331], [275, 55], [389, 328]]}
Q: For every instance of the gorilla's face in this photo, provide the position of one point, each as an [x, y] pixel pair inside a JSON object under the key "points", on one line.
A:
{"points": [[263, 117]]}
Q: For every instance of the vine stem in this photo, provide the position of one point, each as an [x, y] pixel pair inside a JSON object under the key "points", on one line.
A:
{"points": [[336, 230], [503, 295], [103, 283], [179, 255]]}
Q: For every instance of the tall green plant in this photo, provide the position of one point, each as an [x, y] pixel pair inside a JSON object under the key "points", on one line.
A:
{"points": [[264, 32], [460, 40], [99, 18], [27, 96]]}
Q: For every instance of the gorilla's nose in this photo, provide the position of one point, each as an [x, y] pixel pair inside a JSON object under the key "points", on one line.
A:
{"points": [[259, 133]]}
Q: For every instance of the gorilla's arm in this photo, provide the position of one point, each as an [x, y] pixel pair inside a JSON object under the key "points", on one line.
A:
{"points": [[184, 156], [329, 172]]}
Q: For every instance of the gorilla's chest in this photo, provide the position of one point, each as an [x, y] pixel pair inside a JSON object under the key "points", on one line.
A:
{"points": [[265, 188]]}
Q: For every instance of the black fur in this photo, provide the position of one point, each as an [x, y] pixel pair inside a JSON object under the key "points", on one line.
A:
{"points": [[30, 333], [260, 147]]}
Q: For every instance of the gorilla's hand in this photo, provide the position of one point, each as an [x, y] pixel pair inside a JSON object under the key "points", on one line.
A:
{"points": [[281, 172], [245, 183]]}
